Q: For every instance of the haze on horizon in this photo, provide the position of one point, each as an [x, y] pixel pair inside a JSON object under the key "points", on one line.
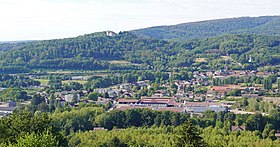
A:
{"points": [[50, 19]]}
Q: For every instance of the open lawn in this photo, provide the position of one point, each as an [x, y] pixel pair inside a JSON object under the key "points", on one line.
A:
{"points": [[78, 81], [228, 58], [199, 60], [119, 62], [42, 81], [122, 62]]}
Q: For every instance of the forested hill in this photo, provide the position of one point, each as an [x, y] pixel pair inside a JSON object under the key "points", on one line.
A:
{"points": [[265, 25], [4, 46], [127, 51], [92, 51]]}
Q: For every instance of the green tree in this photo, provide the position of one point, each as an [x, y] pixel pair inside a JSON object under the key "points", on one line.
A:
{"points": [[278, 85], [255, 122], [235, 92], [52, 103], [188, 135], [19, 124], [116, 142], [268, 132], [44, 139], [36, 100], [268, 83], [13, 94], [43, 107], [93, 96]]}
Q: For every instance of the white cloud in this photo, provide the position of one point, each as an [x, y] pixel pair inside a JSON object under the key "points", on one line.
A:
{"points": [[45, 19]]}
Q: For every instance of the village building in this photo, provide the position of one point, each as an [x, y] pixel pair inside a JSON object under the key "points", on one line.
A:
{"points": [[7, 108], [277, 134], [72, 97], [238, 128]]}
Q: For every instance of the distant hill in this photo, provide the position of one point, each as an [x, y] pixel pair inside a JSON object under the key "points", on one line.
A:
{"points": [[5, 46], [264, 25], [125, 51]]}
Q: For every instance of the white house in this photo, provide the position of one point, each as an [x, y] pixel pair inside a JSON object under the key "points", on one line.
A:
{"points": [[70, 97]]}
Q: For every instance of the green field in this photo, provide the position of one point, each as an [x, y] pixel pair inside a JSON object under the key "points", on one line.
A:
{"points": [[199, 60], [119, 62], [123, 62], [42, 81], [78, 81]]}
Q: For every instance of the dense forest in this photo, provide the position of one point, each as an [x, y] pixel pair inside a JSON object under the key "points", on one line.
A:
{"points": [[99, 51], [140, 127], [265, 25]]}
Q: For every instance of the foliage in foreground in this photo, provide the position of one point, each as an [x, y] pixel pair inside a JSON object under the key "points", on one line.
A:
{"points": [[27, 129], [168, 136], [184, 135], [136, 127]]}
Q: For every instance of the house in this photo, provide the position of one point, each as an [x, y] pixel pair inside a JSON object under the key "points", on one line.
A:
{"points": [[277, 134], [142, 83], [263, 74], [70, 97], [227, 88], [102, 101], [110, 33], [80, 77], [152, 101], [228, 103], [238, 128], [102, 90], [209, 73], [221, 89], [250, 95], [125, 87], [126, 95], [132, 107], [161, 93], [6, 110], [8, 104], [127, 101], [112, 94], [1, 89], [99, 129], [159, 101]]}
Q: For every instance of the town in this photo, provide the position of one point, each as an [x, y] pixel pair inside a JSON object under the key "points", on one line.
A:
{"points": [[186, 92]]}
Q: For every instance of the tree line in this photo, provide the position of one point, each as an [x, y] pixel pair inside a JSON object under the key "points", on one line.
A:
{"points": [[95, 51]]}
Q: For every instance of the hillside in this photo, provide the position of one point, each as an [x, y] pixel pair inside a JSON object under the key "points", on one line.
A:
{"points": [[5, 46], [127, 51], [265, 25], [93, 51]]}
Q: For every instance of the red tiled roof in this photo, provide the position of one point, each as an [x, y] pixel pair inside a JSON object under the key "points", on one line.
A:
{"points": [[227, 88], [161, 91], [127, 101], [167, 100]]}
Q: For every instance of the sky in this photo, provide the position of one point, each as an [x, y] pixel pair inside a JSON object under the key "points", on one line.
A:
{"points": [[51, 19]]}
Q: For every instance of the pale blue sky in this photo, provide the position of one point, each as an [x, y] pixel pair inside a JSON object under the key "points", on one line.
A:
{"points": [[49, 19]]}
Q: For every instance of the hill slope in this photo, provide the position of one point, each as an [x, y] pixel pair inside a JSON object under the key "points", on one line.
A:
{"points": [[127, 51], [265, 25]]}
